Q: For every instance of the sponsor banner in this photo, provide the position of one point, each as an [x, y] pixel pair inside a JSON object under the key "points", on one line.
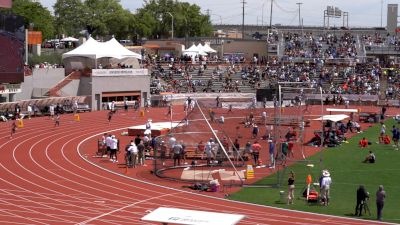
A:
{"points": [[345, 97], [119, 72], [10, 88]]}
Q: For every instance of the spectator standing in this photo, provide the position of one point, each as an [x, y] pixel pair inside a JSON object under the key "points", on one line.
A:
{"points": [[30, 111], [291, 188], [141, 153], [256, 148], [114, 149], [325, 183], [380, 201], [395, 137], [177, 150], [271, 146], [362, 197]]}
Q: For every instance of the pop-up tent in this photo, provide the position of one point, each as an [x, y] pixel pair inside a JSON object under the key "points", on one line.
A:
{"points": [[70, 39], [208, 49], [193, 51], [90, 52]]}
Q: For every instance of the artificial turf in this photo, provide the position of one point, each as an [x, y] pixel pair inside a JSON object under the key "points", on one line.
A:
{"points": [[347, 173]]}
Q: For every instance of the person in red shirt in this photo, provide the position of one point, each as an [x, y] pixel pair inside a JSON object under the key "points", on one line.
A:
{"points": [[363, 143], [386, 140], [256, 148]]}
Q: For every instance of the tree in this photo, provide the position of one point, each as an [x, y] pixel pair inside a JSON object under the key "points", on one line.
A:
{"points": [[68, 19], [188, 19], [106, 17], [36, 16]]}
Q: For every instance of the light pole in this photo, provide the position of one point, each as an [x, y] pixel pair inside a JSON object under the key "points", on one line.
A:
{"points": [[299, 4], [172, 25]]}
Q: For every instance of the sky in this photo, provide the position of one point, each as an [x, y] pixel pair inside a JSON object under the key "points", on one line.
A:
{"points": [[362, 13]]}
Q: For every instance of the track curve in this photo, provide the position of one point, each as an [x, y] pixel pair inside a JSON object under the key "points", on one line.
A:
{"points": [[46, 178]]}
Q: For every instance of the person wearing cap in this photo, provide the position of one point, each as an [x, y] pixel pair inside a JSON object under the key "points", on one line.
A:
{"points": [[325, 183]]}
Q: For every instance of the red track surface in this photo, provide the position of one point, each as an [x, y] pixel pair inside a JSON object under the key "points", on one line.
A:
{"points": [[44, 180]]}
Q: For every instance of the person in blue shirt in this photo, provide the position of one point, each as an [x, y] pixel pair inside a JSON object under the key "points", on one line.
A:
{"points": [[271, 146]]}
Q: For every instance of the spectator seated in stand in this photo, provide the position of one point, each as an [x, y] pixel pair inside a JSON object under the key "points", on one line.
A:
{"points": [[370, 158], [363, 143]]}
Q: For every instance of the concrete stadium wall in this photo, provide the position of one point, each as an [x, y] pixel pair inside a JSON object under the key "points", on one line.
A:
{"points": [[85, 87], [71, 89], [41, 78]]}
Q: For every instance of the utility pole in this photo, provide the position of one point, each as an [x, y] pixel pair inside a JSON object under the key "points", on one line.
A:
{"points": [[299, 4], [243, 2], [208, 12], [270, 16], [381, 11], [262, 16]]}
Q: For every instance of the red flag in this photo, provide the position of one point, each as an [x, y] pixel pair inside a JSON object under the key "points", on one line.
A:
{"points": [[5, 3]]}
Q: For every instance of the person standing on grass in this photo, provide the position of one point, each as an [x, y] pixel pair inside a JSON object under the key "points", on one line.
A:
{"points": [[395, 137], [380, 201], [362, 196], [291, 188], [271, 146], [325, 184]]}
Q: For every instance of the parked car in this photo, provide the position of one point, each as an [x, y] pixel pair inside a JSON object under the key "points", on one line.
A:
{"points": [[83, 107]]}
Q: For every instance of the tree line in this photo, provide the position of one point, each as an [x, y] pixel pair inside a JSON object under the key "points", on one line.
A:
{"points": [[102, 18]]}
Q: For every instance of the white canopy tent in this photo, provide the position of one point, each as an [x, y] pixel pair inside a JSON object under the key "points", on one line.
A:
{"points": [[208, 49], [92, 50], [70, 39], [193, 51], [95, 50], [334, 118]]}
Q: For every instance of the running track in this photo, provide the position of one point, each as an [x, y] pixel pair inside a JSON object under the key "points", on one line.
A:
{"points": [[44, 180]]}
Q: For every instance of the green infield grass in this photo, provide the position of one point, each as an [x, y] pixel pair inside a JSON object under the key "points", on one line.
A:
{"points": [[347, 172]]}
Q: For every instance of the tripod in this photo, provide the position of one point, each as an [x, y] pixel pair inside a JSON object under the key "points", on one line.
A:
{"points": [[366, 207]]}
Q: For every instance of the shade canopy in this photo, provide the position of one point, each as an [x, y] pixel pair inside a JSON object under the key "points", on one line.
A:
{"points": [[208, 49], [194, 50], [334, 118], [95, 50], [70, 39]]}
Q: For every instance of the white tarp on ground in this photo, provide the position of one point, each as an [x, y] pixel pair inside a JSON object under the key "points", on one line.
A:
{"points": [[334, 118], [95, 50], [192, 217]]}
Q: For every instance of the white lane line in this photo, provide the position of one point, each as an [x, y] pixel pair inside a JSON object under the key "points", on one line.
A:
{"points": [[122, 208]]}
